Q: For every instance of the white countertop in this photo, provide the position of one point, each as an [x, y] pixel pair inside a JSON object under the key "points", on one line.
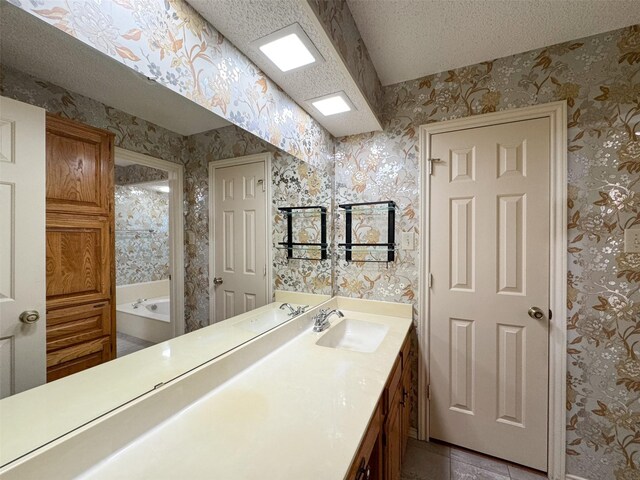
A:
{"points": [[299, 413], [280, 407], [33, 418]]}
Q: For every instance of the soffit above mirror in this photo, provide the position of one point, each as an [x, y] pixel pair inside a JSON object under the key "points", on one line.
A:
{"points": [[243, 22], [29, 45]]}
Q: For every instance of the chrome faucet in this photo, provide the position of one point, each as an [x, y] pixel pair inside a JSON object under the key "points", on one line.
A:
{"points": [[321, 320], [294, 311], [138, 302]]}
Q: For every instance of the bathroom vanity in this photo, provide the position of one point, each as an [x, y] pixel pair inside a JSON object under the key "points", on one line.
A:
{"points": [[289, 404], [384, 443]]}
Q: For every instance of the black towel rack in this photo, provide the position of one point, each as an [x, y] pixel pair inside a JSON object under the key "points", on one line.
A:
{"points": [[387, 206]]}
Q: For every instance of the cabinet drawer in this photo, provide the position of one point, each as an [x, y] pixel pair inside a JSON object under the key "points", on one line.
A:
{"points": [[73, 325], [98, 350], [407, 350], [392, 384]]}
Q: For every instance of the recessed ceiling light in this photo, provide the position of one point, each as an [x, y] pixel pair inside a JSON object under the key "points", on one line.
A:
{"points": [[289, 48], [332, 104], [163, 189]]}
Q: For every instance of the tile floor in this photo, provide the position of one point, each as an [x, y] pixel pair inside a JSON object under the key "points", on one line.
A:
{"points": [[437, 461], [127, 344]]}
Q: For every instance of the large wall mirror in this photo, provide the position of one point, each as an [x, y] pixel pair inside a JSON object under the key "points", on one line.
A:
{"points": [[194, 216]]}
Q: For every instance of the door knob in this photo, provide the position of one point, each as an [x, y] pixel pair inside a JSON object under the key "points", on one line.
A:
{"points": [[217, 281], [29, 316], [536, 313]]}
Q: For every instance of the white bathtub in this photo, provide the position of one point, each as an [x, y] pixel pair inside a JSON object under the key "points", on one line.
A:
{"points": [[158, 308], [151, 320]]}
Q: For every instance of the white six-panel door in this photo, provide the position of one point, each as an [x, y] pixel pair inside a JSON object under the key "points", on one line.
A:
{"points": [[22, 246], [490, 264], [240, 240]]}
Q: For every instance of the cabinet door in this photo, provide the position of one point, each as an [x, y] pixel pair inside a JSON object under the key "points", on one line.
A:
{"points": [[368, 459], [79, 260], [79, 168], [393, 446], [80, 247], [406, 407]]}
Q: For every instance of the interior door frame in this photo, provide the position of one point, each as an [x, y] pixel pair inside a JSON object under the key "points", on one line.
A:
{"points": [[176, 228], [557, 114], [265, 159]]}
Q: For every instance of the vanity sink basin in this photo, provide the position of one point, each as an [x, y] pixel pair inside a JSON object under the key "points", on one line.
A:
{"points": [[264, 321], [354, 335]]}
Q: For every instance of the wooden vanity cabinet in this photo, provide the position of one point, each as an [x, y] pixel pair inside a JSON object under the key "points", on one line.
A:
{"points": [[408, 360], [368, 462], [80, 247], [389, 426]]}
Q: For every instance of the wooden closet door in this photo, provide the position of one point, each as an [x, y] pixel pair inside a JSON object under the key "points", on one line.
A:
{"points": [[80, 247]]}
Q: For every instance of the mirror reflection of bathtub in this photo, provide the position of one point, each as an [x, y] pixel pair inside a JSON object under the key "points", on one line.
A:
{"points": [[148, 320]]}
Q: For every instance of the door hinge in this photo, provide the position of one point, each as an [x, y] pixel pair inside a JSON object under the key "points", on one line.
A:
{"points": [[550, 314], [430, 280], [430, 162], [261, 183], [264, 271], [429, 392]]}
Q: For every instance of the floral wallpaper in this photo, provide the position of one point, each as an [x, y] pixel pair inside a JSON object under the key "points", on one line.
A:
{"points": [[168, 41], [599, 77], [294, 182], [142, 234], [339, 24], [127, 174], [131, 133]]}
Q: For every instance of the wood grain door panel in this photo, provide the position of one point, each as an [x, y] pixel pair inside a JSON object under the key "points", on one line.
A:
{"points": [[79, 256], [79, 168], [406, 408], [72, 325], [80, 247], [77, 358], [393, 447]]}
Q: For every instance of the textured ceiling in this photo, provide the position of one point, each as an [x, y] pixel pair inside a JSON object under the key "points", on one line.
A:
{"points": [[244, 21], [408, 39], [31, 46]]}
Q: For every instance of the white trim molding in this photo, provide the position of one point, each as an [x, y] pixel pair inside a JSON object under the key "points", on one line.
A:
{"points": [[176, 228], [557, 113], [264, 158]]}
